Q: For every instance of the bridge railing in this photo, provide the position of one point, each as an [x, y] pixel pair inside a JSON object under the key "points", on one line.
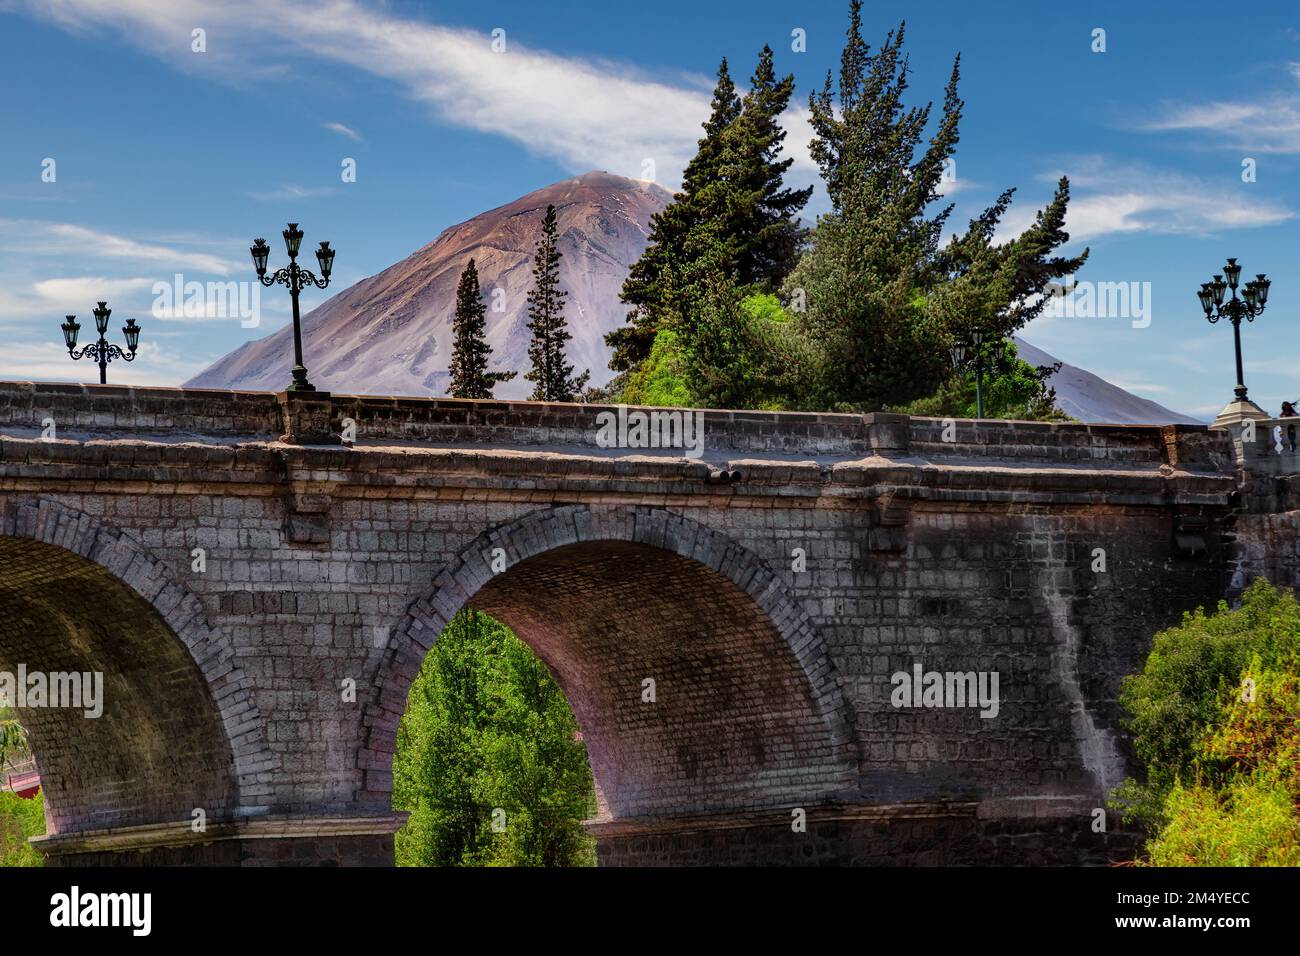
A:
{"points": [[1269, 446], [181, 414], [18, 775]]}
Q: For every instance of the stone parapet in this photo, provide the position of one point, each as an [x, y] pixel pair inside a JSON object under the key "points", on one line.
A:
{"points": [[177, 414]]}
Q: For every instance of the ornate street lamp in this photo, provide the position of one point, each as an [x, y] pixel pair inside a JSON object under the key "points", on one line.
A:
{"points": [[297, 279], [973, 350], [103, 351], [1254, 298]]}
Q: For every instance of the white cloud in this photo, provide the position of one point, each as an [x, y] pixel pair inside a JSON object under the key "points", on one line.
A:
{"points": [[1108, 198], [1269, 124], [50, 362], [66, 240], [47, 301], [583, 112], [342, 130], [1285, 366], [292, 191], [75, 293]]}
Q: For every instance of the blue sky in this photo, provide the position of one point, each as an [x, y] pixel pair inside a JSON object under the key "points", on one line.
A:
{"points": [[168, 160]]}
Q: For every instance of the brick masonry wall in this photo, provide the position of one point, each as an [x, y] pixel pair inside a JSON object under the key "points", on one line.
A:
{"points": [[1265, 537], [157, 749], [771, 611], [955, 840], [369, 850]]}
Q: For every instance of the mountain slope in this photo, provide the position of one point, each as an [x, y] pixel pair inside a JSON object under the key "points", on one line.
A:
{"points": [[391, 334], [1091, 398]]}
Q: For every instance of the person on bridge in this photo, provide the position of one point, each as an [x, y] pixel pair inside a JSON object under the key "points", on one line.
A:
{"points": [[1288, 411]]}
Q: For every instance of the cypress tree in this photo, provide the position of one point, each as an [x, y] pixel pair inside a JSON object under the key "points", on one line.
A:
{"points": [[470, 350], [762, 213], [872, 259], [552, 377], [653, 278], [883, 300], [733, 220]]}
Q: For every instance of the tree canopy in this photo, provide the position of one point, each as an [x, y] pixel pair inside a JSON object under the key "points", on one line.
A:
{"points": [[551, 374], [1215, 717], [871, 298], [471, 353], [489, 761]]}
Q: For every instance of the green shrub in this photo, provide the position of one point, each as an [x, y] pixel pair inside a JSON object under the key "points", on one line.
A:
{"points": [[19, 819], [661, 379], [1215, 715], [1252, 823], [1012, 389], [486, 732]]}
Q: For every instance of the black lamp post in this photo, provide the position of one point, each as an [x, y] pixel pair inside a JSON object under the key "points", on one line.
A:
{"points": [[1254, 298], [297, 279], [975, 350], [103, 351]]}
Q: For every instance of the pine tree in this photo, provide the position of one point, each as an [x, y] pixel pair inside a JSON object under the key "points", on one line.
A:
{"points": [[872, 259], [654, 277], [1013, 275], [552, 377], [884, 302], [470, 350], [867, 149], [762, 213], [732, 221]]}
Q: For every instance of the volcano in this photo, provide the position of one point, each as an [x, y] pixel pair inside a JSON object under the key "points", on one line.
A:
{"points": [[391, 334]]}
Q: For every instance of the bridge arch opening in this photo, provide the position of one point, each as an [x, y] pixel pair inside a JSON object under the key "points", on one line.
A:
{"points": [[124, 731], [179, 730], [698, 683]]}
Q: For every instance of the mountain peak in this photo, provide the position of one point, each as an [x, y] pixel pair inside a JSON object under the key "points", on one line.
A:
{"points": [[391, 333]]}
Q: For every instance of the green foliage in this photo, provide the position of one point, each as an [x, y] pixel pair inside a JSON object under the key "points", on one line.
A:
{"points": [[765, 308], [746, 352], [552, 377], [759, 214], [875, 302], [1215, 715], [13, 738], [534, 766], [1251, 823], [884, 302], [874, 252], [998, 288], [486, 727], [19, 819], [732, 226], [654, 283], [469, 373], [661, 379], [1012, 389]]}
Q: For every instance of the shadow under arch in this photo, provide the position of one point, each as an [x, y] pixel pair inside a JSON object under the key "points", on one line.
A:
{"points": [[179, 730], [748, 712]]}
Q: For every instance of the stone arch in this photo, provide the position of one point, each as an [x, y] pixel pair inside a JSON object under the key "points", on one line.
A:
{"points": [[755, 716], [185, 732]]}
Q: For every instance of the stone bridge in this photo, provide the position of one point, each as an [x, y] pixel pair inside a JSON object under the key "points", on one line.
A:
{"points": [[259, 597]]}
